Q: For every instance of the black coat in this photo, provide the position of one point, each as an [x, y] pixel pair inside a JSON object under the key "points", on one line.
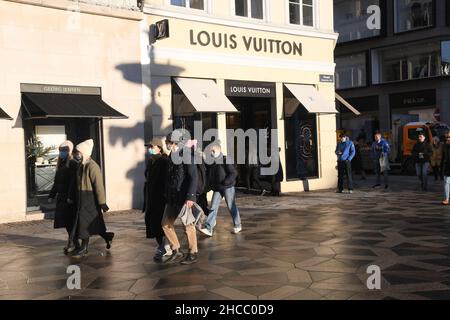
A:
{"points": [[221, 175], [89, 194], [422, 147], [155, 202], [181, 182], [64, 212], [446, 160]]}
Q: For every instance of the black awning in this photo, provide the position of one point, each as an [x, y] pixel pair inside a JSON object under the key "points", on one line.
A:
{"points": [[58, 105], [4, 115]]}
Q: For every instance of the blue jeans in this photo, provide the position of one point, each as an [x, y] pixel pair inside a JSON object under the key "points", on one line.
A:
{"points": [[230, 199], [447, 187], [422, 173]]}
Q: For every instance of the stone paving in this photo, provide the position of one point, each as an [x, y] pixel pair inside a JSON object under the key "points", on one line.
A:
{"points": [[313, 245]]}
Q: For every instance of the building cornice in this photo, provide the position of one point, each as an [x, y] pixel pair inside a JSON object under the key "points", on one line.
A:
{"points": [[228, 22], [88, 8]]}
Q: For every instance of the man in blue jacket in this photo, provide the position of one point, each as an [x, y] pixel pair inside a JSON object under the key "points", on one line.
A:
{"points": [[380, 147], [345, 151]]}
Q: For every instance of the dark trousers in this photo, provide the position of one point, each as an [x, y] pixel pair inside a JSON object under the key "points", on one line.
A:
{"points": [[276, 186], [438, 172], [345, 170], [252, 176]]}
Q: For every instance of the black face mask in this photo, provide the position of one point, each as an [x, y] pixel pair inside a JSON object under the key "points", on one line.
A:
{"points": [[78, 157]]}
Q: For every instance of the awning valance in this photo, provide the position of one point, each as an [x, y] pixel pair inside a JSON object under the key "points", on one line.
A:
{"points": [[348, 105], [309, 97], [203, 95], [4, 115], [57, 105]]}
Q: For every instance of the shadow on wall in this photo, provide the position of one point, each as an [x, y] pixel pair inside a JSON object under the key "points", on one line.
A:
{"points": [[133, 72]]}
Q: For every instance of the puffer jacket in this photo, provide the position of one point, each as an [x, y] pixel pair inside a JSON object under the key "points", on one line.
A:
{"points": [[221, 176]]}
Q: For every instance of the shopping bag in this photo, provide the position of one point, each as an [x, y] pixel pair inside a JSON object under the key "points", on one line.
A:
{"points": [[192, 216], [384, 163]]}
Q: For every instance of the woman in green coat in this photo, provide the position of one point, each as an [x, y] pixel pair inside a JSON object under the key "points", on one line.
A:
{"points": [[90, 199]]}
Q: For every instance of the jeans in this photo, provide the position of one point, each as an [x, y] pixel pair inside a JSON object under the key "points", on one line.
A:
{"points": [[447, 188], [345, 169], [230, 199], [378, 173], [422, 173]]}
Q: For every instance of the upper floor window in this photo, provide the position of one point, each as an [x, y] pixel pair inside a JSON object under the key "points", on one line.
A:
{"points": [[413, 14], [301, 12], [351, 71], [350, 19], [249, 8], [192, 4]]}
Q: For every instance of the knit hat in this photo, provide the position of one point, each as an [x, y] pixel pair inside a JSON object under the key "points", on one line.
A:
{"points": [[86, 148], [67, 144]]}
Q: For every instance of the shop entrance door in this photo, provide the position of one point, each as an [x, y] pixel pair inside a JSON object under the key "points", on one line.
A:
{"points": [[42, 139], [254, 113]]}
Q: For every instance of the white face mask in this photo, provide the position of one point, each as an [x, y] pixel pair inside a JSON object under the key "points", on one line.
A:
{"points": [[215, 154]]}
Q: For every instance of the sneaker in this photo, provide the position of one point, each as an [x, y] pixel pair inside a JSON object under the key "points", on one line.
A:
{"points": [[263, 192], [176, 256], [376, 186], [236, 230], [350, 191], [206, 232], [445, 202], [190, 259]]}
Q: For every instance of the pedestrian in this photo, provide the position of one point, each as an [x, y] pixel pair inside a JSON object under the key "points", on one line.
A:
{"points": [[345, 151], [155, 202], [436, 159], [181, 189], [222, 180], [421, 155], [64, 212], [253, 169], [88, 194], [380, 155], [446, 169], [357, 162], [277, 178]]}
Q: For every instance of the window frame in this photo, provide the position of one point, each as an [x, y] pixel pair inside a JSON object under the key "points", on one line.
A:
{"points": [[367, 66], [266, 11], [395, 20], [315, 8], [206, 3]]}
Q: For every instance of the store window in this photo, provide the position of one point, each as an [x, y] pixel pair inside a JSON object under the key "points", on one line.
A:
{"points": [[249, 8], [350, 19], [407, 63], [301, 12], [192, 4], [351, 71], [445, 58], [413, 14]]}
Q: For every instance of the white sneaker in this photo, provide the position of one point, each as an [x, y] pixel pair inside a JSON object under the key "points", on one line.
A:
{"points": [[236, 230], [206, 231]]}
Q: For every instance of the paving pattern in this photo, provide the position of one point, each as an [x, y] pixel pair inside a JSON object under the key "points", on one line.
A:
{"points": [[313, 245]]}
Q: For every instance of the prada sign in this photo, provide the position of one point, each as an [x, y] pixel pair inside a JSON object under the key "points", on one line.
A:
{"points": [[249, 89]]}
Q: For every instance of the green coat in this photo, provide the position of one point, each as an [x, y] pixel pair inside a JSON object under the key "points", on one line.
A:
{"points": [[89, 195]]}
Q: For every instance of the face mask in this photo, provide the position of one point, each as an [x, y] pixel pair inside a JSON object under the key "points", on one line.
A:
{"points": [[215, 154], [151, 152], [63, 155], [78, 157]]}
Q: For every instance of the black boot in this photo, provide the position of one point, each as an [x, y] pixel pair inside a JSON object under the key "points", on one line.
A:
{"points": [[72, 246], [83, 251], [108, 237]]}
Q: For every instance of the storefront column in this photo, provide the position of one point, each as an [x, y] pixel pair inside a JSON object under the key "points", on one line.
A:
{"points": [[222, 121], [280, 126], [384, 109]]}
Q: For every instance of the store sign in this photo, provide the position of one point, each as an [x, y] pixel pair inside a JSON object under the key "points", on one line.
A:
{"points": [[249, 43], [326, 78], [161, 29], [50, 88], [422, 98], [249, 89]]}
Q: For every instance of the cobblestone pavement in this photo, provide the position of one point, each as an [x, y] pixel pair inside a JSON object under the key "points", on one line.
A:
{"points": [[313, 245]]}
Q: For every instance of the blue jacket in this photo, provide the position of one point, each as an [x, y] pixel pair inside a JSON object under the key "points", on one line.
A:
{"points": [[383, 148], [347, 149]]}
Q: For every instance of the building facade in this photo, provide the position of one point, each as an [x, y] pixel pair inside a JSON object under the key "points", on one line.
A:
{"points": [[273, 60], [66, 75], [397, 73]]}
